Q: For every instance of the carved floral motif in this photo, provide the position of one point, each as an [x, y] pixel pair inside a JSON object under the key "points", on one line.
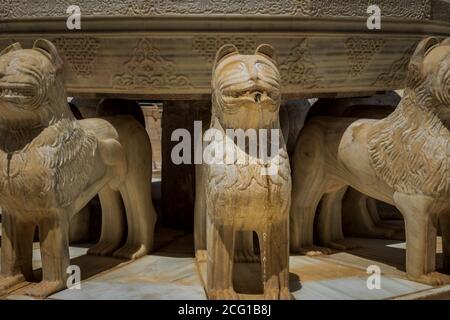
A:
{"points": [[80, 52], [299, 67], [147, 68]]}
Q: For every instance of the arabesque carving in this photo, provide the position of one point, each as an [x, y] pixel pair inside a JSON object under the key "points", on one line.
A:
{"points": [[147, 68], [299, 67]]}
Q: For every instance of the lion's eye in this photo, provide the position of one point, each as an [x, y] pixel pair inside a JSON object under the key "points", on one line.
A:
{"points": [[263, 67]]}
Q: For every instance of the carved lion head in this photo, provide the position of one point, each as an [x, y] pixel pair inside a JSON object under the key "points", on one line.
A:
{"points": [[429, 70], [246, 88], [31, 88]]}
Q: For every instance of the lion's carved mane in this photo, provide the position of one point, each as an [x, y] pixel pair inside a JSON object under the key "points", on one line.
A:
{"points": [[410, 150]]}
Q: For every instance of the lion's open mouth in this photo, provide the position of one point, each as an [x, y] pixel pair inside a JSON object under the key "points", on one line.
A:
{"points": [[15, 92]]}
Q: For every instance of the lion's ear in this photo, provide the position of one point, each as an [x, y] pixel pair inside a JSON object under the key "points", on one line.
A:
{"points": [[223, 52], [49, 49], [266, 50], [415, 65], [13, 47], [446, 42]]}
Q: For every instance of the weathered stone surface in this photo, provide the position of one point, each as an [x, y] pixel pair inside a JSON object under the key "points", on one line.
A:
{"points": [[320, 54], [408, 9]]}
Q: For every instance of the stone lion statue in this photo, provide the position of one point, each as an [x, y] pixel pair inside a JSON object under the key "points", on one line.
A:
{"points": [[52, 165], [361, 216], [403, 160], [237, 196]]}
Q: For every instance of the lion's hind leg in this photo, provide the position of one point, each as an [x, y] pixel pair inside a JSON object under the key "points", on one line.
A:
{"points": [[330, 232], [113, 223], [301, 233], [136, 189], [308, 187], [141, 218], [360, 218], [140, 213]]}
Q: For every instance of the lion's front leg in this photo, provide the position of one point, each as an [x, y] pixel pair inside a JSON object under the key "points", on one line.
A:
{"points": [[113, 223], [16, 252], [200, 215], [54, 240], [220, 261], [274, 246], [420, 214], [445, 227]]}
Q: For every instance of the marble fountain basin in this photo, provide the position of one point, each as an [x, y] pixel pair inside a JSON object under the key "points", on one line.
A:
{"points": [[165, 49]]}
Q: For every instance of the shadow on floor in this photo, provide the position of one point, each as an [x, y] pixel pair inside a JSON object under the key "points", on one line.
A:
{"points": [[389, 252], [247, 279]]}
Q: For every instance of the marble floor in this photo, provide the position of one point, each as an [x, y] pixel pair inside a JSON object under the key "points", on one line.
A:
{"points": [[172, 273]]}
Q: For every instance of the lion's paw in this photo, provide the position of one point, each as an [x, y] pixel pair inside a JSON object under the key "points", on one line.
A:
{"points": [[131, 251], [103, 248], [7, 283], [432, 278], [342, 245], [44, 288], [312, 251], [201, 255]]}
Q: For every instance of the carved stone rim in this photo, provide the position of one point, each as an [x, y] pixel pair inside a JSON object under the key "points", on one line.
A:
{"points": [[234, 23], [417, 9]]}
